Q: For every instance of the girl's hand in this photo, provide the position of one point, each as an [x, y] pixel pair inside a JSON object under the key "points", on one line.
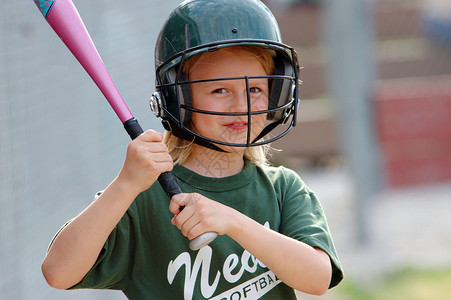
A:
{"points": [[200, 215], [147, 157]]}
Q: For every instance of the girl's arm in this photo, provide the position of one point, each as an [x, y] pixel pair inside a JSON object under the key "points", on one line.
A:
{"points": [[297, 264], [76, 248]]}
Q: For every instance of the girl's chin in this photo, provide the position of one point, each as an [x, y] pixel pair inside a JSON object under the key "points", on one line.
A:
{"points": [[232, 149], [226, 148]]}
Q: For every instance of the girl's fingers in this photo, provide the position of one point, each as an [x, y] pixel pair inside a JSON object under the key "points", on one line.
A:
{"points": [[150, 136], [197, 215], [177, 201]]}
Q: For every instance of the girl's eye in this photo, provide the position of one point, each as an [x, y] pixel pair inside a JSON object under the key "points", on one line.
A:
{"points": [[220, 91], [255, 90]]}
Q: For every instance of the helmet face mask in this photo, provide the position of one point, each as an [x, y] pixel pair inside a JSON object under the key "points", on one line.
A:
{"points": [[173, 86]]}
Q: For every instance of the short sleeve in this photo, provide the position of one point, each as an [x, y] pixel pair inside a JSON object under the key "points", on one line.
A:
{"points": [[303, 219], [114, 262]]}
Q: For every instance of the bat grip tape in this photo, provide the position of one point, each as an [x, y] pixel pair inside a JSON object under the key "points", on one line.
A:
{"points": [[133, 128]]}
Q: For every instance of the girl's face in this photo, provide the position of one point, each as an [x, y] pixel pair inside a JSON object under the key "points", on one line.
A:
{"points": [[228, 96]]}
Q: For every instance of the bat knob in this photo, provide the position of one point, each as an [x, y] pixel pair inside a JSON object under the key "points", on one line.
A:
{"points": [[202, 240]]}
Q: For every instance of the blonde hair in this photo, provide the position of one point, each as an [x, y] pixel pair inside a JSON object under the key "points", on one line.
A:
{"points": [[181, 149]]}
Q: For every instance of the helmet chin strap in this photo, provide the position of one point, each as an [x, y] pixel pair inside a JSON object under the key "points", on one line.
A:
{"points": [[268, 129], [188, 136]]}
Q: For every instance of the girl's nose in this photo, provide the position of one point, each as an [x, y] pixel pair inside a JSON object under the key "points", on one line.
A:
{"points": [[239, 102]]}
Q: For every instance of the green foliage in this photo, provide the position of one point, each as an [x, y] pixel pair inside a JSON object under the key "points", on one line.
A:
{"points": [[408, 284]]}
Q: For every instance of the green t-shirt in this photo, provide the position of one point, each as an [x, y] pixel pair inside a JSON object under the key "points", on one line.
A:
{"points": [[148, 258]]}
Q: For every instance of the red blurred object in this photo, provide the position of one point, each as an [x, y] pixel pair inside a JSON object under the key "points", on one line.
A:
{"points": [[414, 129]]}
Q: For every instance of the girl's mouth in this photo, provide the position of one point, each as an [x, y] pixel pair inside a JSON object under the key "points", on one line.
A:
{"points": [[237, 126]]}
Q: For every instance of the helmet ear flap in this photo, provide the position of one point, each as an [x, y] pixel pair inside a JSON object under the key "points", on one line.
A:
{"points": [[281, 89], [182, 95]]}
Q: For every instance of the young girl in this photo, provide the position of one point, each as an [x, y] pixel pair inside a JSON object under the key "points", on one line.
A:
{"points": [[226, 87]]}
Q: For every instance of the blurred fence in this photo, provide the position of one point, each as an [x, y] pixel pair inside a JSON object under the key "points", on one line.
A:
{"points": [[412, 57], [60, 141]]}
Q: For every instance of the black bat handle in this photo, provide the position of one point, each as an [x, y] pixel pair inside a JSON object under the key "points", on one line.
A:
{"points": [[169, 185], [133, 128]]}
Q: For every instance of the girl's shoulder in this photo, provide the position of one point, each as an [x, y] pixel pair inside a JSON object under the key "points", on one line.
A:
{"points": [[279, 172], [283, 176]]}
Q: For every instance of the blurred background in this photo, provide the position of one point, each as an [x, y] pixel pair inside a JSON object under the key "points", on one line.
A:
{"points": [[373, 136]]}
